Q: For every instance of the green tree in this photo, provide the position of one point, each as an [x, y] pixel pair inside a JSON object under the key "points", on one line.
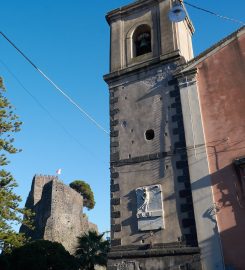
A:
{"points": [[4, 264], [41, 255], [92, 250], [10, 212], [85, 190]]}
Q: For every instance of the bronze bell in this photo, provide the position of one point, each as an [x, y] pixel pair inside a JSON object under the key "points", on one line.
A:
{"points": [[143, 43]]}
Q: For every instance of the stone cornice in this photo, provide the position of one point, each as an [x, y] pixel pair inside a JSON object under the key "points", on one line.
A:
{"points": [[185, 73], [153, 252], [128, 9], [161, 60]]}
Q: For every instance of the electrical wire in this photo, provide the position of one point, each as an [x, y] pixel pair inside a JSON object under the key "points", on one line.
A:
{"points": [[48, 113], [215, 14], [68, 97], [56, 86]]}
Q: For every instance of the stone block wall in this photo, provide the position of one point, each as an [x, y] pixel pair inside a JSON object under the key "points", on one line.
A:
{"points": [[58, 212], [149, 99]]}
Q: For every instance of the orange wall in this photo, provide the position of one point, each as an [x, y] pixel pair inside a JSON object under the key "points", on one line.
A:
{"points": [[221, 83]]}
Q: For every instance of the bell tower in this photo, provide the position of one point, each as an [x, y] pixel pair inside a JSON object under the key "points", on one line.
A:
{"points": [[152, 221]]}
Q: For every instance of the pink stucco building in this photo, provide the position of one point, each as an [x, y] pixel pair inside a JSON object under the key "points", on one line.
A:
{"points": [[212, 88]]}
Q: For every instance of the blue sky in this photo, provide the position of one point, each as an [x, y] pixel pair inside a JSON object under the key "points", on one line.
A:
{"points": [[69, 41]]}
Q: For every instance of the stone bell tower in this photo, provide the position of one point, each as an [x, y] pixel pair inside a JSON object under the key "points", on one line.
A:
{"points": [[152, 221]]}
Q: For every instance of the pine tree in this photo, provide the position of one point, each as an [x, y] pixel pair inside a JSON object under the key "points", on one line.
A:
{"points": [[85, 190], [10, 212]]}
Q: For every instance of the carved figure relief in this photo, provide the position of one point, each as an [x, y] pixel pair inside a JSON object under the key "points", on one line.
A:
{"points": [[145, 199], [150, 208]]}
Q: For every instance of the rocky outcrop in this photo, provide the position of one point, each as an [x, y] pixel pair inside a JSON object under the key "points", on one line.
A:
{"points": [[58, 212]]}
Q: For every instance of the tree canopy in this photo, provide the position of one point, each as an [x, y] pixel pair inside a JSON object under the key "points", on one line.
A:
{"points": [[85, 190], [10, 212], [40, 255], [92, 250]]}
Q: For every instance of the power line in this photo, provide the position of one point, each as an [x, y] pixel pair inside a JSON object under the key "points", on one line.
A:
{"points": [[215, 14], [48, 113], [56, 86]]}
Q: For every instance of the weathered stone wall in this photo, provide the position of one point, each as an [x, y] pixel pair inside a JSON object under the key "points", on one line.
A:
{"points": [[151, 203], [155, 259], [58, 212], [149, 99]]}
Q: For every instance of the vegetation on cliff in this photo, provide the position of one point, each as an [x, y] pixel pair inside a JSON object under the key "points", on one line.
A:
{"points": [[85, 190], [10, 212]]}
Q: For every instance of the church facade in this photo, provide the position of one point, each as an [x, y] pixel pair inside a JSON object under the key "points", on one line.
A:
{"points": [[152, 218], [177, 146]]}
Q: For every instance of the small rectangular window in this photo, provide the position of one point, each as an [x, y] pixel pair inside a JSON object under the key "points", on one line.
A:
{"points": [[239, 164]]}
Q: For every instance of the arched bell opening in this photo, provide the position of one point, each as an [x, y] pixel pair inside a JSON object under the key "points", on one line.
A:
{"points": [[142, 40]]}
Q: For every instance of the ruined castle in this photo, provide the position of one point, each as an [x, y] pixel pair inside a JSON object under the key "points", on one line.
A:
{"points": [[58, 212]]}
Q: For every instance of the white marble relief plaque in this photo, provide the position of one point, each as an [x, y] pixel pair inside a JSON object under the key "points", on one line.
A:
{"points": [[150, 212]]}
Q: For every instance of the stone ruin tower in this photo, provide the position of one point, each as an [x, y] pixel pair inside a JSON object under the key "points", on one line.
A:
{"points": [[58, 212], [152, 219]]}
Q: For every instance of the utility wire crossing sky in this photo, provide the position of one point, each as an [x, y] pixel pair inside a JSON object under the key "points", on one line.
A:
{"points": [[67, 96], [56, 86], [70, 42]]}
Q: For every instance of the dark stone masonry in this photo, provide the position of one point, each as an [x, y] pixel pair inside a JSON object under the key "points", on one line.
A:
{"points": [[58, 212]]}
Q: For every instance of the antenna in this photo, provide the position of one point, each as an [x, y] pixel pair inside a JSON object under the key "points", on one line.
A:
{"points": [[177, 13]]}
